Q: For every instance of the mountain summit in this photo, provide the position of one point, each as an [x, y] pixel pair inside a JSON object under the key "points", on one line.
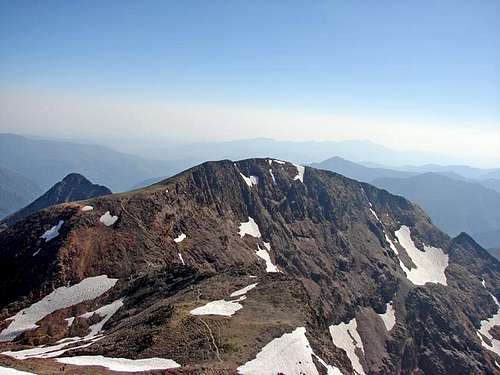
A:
{"points": [[255, 267], [73, 187]]}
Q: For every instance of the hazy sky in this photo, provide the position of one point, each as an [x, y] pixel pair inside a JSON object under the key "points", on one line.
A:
{"points": [[407, 74]]}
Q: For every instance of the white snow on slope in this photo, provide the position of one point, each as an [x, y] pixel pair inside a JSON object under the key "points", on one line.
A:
{"points": [[487, 325], [223, 307], [289, 354], [121, 364], [300, 172], [250, 181], [106, 312], [250, 227], [51, 351], [52, 232], [346, 337], [374, 214], [70, 321], [389, 317], [272, 175], [181, 258], [181, 237], [243, 291], [87, 289], [13, 371], [431, 263], [220, 307], [87, 208], [271, 161], [393, 247], [264, 254], [107, 219]]}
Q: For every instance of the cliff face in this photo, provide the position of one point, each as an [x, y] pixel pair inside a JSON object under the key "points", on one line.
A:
{"points": [[226, 262], [73, 187]]}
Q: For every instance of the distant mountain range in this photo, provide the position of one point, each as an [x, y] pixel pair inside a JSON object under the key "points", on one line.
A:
{"points": [[45, 162], [296, 151], [73, 187], [455, 201], [15, 191]]}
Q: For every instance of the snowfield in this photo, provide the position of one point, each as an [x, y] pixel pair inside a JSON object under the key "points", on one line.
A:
{"points": [[250, 181], [431, 263], [250, 227], [87, 208], [86, 290], [107, 219], [121, 364], [52, 232], [346, 337], [289, 354], [389, 317], [264, 254]]}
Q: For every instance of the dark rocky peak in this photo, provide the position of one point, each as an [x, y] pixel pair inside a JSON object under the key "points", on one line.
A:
{"points": [[73, 187]]}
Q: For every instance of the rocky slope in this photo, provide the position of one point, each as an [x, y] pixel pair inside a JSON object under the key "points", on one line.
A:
{"points": [[253, 267], [73, 187]]}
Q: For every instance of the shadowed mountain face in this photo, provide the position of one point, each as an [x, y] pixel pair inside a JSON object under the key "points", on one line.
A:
{"points": [[228, 266], [74, 187], [16, 191]]}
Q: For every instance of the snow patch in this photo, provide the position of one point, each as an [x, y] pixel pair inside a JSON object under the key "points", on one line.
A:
{"points": [[121, 364], [86, 290], [300, 173], [288, 354], [52, 232], [70, 321], [250, 181], [389, 317], [223, 307], [486, 326], [13, 371], [243, 291], [430, 263], [87, 208], [250, 227], [106, 311], [271, 161], [181, 237], [50, 351], [181, 258], [264, 254], [107, 219], [346, 337], [272, 175], [220, 307]]}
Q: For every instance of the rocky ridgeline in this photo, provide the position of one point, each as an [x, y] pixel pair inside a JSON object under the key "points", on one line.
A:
{"points": [[255, 267]]}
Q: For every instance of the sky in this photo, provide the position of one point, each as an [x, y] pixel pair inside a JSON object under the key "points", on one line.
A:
{"points": [[421, 75]]}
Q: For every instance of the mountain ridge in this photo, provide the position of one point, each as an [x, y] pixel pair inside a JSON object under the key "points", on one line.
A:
{"points": [[348, 255], [73, 187]]}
